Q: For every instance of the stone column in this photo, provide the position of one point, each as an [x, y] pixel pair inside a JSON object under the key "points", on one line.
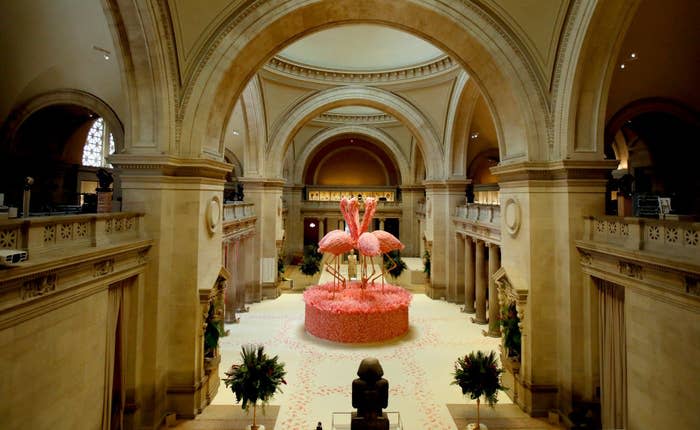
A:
{"points": [[494, 265], [457, 296], [480, 267], [381, 223], [321, 228], [469, 286]]}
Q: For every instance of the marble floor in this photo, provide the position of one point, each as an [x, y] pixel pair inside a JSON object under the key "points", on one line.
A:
{"points": [[418, 366]]}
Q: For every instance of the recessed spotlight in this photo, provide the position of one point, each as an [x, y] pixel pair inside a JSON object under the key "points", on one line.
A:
{"points": [[633, 55], [236, 133]]}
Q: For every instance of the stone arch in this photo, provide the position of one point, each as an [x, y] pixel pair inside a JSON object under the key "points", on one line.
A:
{"points": [[237, 166], [468, 32], [375, 135], [376, 98], [651, 104], [583, 75], [63, 97], [368, 154], [461, 111]]}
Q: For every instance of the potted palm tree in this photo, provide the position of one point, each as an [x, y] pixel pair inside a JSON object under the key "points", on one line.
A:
{"points": [[257, 379], [478, 374]]}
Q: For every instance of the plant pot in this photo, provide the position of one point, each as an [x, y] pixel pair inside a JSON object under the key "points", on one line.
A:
{"points": [[472, 426]]}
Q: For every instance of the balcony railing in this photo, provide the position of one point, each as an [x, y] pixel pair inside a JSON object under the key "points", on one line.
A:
{"points": [[55, 234], [677, 240], [238, 211], [479, 220], [480, 212]]}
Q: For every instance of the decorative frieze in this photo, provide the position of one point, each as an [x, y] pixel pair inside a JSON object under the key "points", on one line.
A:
{"points": [[38, 286], [8, 238], [302, 71], [630, 269], [104, 267]]}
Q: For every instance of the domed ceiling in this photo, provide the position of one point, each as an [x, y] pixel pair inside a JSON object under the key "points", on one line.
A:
{"points": [[361, 48]]}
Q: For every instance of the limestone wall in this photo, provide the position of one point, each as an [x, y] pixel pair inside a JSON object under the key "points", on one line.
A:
{"points": [[663, 347], [53, 368]]}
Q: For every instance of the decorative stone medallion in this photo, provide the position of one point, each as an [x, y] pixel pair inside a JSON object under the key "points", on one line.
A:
{"points": [[213, 214], [511, 216]]}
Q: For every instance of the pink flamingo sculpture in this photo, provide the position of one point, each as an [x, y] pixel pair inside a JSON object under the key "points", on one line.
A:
{"points": [[337, 242], [369, 245]]}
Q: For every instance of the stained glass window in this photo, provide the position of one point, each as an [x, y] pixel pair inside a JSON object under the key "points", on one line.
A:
{"points": [[96, 147]]}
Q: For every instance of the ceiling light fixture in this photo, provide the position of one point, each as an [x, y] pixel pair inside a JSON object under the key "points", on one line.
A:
{"points": [[236, 133], [312, 225], [622, 66], [633, 56], [105, 53], [475, 135]]}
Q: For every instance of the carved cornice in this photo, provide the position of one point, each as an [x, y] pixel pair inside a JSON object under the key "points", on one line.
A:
{"points": [[336, 118], [166, 165], [306, 72], [552, 171]]}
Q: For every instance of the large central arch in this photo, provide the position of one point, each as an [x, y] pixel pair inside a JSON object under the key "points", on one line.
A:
{"points": [[464, 30], [377, 98]]}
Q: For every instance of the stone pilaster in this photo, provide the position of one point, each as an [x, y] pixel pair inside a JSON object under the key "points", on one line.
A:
{"points": [[182, 200], [294, 243], [547, 202], [442, 197], [266, 195], [458, 268], [410, 229]]}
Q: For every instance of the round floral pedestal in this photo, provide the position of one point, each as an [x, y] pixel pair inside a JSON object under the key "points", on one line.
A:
{"points": [[472, 426], [356, 315], [257, 427]]}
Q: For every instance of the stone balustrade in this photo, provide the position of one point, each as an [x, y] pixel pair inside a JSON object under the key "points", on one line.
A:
{"points": [[676, 240], [238, 211], [57, 234], [480, 212], [479, 220]]}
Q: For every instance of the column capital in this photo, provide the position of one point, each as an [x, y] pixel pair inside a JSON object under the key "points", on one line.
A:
{"points": [[449, 185]]}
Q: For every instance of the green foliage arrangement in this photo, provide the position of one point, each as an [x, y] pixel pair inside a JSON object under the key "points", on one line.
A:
{"points": [[478, 374], [426, 263], [311, 264], [511, 331], [257, 379], [213, 331], [397, 270]]}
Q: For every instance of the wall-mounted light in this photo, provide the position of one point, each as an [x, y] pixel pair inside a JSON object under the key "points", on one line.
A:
{"points": [[312, 224], [622, 66]]}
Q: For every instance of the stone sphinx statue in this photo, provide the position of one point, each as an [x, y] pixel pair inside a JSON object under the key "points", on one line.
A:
{"points": [[370, 394]]}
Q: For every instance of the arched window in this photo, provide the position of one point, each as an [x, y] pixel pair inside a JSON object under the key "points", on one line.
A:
{"points": [[97, 145]]}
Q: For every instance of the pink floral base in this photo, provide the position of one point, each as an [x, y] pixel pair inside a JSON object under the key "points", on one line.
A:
{"points": [[354, 315]]}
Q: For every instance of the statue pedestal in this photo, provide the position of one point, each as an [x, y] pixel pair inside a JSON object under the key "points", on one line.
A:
{"points": [[104, 201]]}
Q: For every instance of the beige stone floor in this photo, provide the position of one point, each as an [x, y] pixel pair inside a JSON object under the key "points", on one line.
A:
{"points": [[319, 373]]}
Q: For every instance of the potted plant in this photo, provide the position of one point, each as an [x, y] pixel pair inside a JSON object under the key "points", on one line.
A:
{"points": [[394, 264], [426, 264], [311, 263], [511, 332], [478, 374], [257, 379]]}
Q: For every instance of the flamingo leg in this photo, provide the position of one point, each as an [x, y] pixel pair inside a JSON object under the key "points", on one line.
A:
{"points": [[393, 265], [333, 267]]}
